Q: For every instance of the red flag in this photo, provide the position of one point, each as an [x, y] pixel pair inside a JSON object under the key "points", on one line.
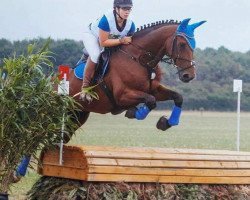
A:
{"points": [[63, 69]]}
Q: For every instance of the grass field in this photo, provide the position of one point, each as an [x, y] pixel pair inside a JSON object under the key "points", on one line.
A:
{"points": [[210, 130], [207, 130]]}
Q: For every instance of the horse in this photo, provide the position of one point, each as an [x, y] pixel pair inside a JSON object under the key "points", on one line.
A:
{"points": [[134, 76]]}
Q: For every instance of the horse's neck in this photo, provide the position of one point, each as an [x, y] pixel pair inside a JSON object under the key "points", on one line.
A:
{"points": [[156, 40]]}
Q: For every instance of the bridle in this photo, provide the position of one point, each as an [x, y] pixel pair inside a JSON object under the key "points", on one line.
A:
{"points": [[172, 61], [155, 59]]}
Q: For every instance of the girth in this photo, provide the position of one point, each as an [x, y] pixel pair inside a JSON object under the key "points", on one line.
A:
{"points": [[108, 93]]}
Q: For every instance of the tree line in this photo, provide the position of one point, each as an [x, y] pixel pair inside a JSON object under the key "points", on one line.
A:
{"points": [[212, 89]]}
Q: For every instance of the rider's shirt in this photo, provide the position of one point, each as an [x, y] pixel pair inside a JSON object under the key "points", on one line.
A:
{"points": [[108, 23]]}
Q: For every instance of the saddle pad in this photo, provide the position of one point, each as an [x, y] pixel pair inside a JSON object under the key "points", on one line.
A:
{"points": [[79, 70]]}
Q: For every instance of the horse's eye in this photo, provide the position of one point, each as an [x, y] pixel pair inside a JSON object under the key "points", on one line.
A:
{"points": [[182, 45]]}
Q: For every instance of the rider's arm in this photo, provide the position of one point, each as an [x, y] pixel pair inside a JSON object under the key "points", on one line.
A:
{"points": [[105, 41], [104, 31]]}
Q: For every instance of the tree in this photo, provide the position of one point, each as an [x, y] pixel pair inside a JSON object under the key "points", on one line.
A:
{"points": [[30, 112]]}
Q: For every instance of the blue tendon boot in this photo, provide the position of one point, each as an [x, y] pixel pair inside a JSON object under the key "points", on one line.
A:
{"points": [[164, 123], [142, 112], [175, 116], [21, 169]]}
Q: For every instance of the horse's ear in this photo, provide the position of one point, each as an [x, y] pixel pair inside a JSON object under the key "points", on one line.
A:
{"points": [[195, 25], [187, 31], [184, 24]]}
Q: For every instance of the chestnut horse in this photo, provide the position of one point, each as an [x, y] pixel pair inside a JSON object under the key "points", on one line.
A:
{"points": [[134, 75]]}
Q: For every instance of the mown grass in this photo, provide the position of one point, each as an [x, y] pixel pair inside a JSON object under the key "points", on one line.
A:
{"points": [[207, 130]]}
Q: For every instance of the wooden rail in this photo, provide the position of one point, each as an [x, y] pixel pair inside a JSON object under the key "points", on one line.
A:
{"points": [[115, 164]]}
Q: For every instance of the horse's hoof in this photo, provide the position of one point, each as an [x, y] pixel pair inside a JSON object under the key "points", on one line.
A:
{"points": [[131, 113], [15, 178], [163, 124]]}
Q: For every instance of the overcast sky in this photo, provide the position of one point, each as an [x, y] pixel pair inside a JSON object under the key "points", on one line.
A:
{"points": [[228, 21]]}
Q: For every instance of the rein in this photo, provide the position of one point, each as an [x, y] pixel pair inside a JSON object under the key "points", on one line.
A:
{"points": [[155, 59], [152, 64]]}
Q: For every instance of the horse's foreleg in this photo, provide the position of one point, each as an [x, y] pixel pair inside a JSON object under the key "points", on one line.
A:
{"points": [[163, 94], [134, 98]]}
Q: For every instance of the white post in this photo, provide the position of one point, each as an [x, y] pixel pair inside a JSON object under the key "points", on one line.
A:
{"points": [[62, 129], [61, 143], [238, 122], [63, 89], [238, 89]]}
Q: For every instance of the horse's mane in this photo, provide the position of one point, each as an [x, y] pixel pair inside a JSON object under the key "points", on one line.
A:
{"points": [[146, 28]]}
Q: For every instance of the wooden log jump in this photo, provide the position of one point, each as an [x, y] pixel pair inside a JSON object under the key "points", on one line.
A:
{"points": [[116, 164]]}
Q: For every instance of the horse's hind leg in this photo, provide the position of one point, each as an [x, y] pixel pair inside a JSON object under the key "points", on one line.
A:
{"points": [[83, 117], [163, 94], [79, 118]]}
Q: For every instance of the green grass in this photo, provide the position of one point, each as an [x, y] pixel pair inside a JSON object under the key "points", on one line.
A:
{"points": [[19, 190], [210, 130]]}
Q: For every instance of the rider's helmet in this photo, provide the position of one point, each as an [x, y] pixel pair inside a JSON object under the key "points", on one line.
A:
{"points": [[123, 3]]}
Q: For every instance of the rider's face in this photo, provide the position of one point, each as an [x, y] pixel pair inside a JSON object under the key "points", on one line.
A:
{"points": [[124, 12]]}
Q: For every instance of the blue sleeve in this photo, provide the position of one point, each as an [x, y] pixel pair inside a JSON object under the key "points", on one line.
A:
{"points": [[103, 24], [132, 29]]}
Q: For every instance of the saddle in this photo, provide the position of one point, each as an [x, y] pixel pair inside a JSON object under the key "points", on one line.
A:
{"points": [[101, 68]]}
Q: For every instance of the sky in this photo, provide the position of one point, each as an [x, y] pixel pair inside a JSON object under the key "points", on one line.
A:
{"points": [[228, 21]]}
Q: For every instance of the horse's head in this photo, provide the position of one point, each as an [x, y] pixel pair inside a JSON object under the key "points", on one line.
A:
{"points": [[180, 50]]}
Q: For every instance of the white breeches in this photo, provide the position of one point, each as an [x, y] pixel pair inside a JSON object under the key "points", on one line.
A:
{"points": [[91, 43]]}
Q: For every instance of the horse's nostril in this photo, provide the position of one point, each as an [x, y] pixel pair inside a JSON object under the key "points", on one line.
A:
{"points": [[186, 76]]}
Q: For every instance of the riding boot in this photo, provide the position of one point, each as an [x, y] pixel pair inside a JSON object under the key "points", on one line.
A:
{"points": [[87, 78]]}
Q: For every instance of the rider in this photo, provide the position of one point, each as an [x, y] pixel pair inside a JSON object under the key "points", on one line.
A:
{"points": [[113, 29]]}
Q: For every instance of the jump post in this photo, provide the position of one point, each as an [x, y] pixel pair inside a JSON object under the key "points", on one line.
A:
{"points": [[134, 164], [63, 89]]}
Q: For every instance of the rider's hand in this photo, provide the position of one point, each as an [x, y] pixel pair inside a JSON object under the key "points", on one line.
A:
{"points": [[126, 40]]}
